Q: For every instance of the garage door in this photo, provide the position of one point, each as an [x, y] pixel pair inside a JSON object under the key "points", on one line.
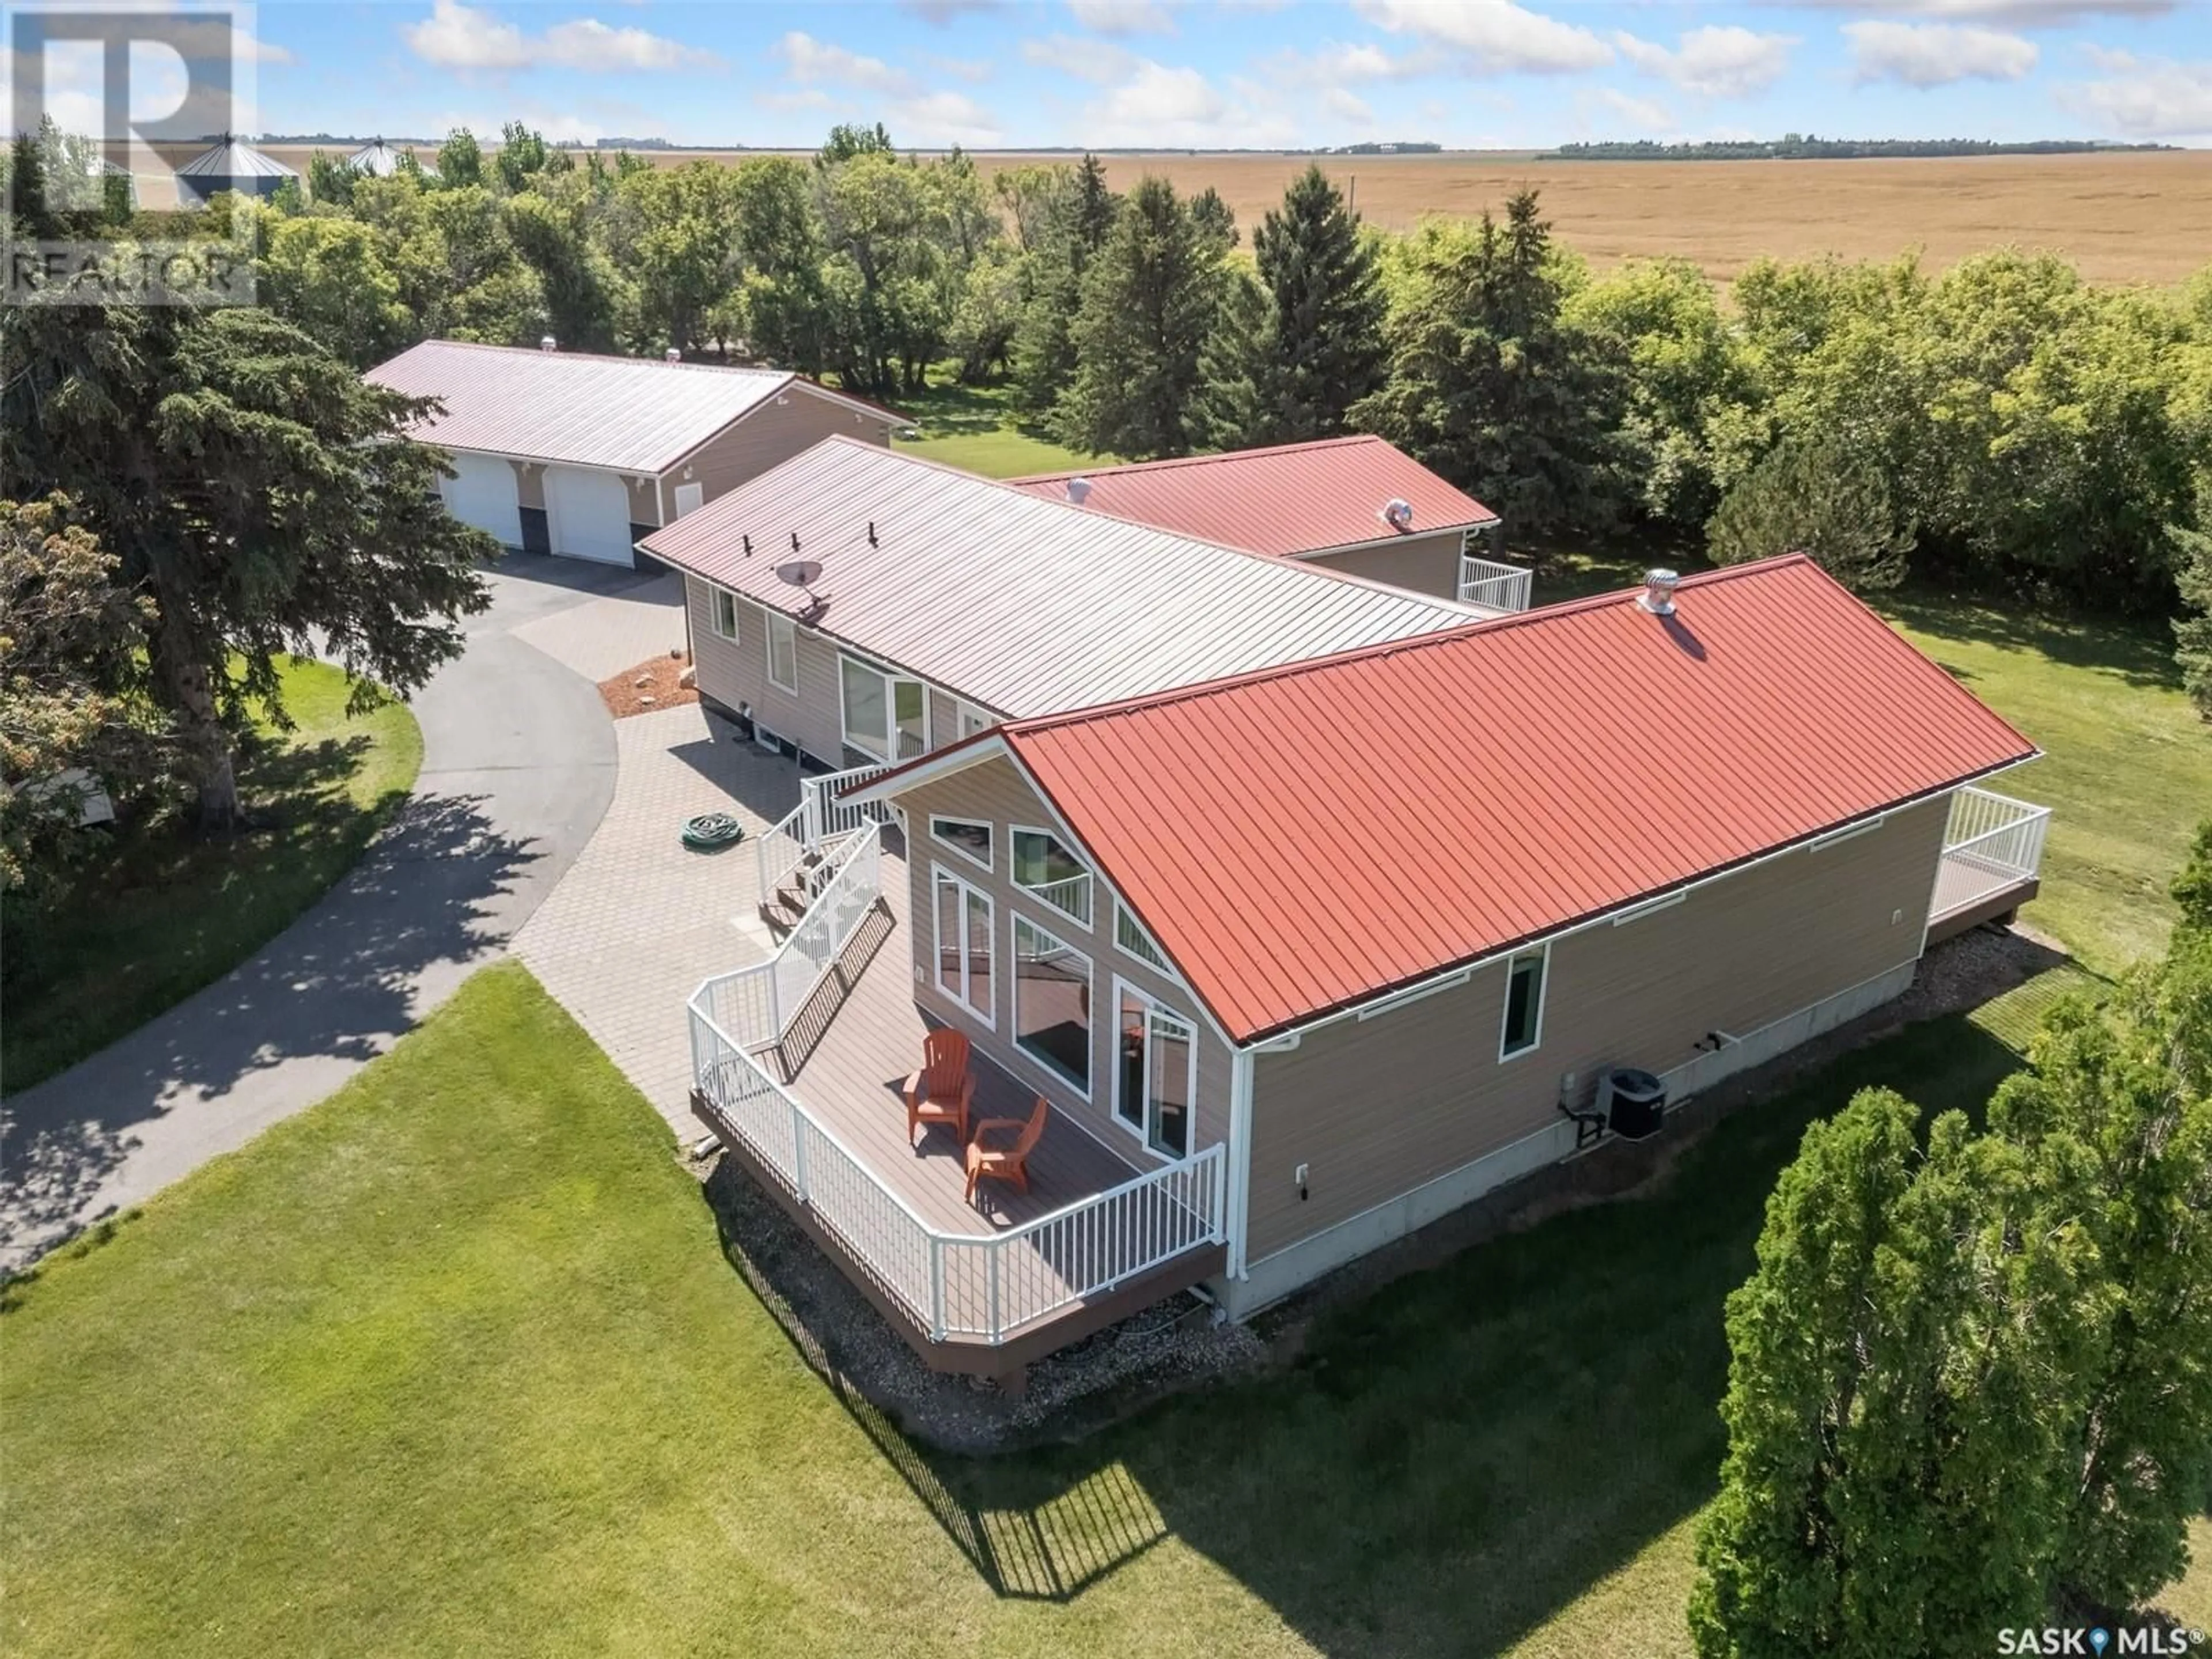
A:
{"points": [[590, 513], [482, 495]]}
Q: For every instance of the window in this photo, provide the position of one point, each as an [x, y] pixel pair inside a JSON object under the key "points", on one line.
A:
{"points": [[1155, 1072], [690, 497], [966, 836], [1524, 1003], [973, 719], [886, 716], [725, 605], [783, 652], [1129, 933], [1046, 870], [963, 943], [1052, 1004]]}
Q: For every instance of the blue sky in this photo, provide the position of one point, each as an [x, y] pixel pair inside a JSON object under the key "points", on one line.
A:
{"points": [[1245, 73]]}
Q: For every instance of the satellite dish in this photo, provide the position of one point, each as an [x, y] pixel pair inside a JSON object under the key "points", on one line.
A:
{"points": [[799, 572]]}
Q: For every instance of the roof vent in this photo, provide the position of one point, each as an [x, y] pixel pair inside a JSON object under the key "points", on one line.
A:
{"points": [[671, 355], [1078, 490], [547, 343], [1658, 595], [1398, 513]]}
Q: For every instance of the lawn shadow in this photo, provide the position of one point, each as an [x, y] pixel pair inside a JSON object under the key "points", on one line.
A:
{"points": [[2139, 655], [338, 985], [1445, 1464]]}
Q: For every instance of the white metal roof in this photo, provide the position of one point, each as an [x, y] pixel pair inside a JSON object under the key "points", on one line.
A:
{"points": [[1026, 605], [638, 415], [234, 158], [377, 158]]}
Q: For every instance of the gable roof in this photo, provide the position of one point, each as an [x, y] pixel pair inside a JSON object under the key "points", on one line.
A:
{"points": [[1026, 606], [230, 157], [637, 414], [1508, 779], [1285, 502]]}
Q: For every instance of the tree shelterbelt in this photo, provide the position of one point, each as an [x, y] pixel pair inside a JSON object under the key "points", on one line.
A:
{"points": [[253, 488]]}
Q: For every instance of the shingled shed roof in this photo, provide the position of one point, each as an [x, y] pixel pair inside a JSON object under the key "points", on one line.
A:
{"points": [[1506, 779]]}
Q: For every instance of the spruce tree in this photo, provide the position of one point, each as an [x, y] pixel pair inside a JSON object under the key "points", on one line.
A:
{"points": [[1322, 350], [1819, 496], [1149, 300], [1076, 226]]}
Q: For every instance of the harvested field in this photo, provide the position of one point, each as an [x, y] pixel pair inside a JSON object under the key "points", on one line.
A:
{"points": [[2141, 217]]}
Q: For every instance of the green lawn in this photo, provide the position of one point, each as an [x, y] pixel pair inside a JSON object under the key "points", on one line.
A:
{"points": [[453, 1364], [169, 912], [971, 428]]}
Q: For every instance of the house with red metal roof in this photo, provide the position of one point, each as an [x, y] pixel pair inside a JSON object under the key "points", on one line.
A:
{"points": [[1268, 970], [1355, 504], [574, 454]]}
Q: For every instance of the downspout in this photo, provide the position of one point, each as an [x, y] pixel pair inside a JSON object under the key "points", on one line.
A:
{"points": [[1240, 1155]]}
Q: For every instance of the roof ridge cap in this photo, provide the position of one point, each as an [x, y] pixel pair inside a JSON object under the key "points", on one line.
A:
{"points": [[1166, 462]]}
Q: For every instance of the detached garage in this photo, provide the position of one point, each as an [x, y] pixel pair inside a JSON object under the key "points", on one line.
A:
{"points": [[583, 456]]}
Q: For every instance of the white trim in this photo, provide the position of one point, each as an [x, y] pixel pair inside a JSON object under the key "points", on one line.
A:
{"points": [[1666, 902], [963, 712], [715, 595], [892, 679], [1466, 528], [1391, 1005], [699, 494], [1851, 832], [1016, 920], [1240, 1154], [936, 818], [1542, 954], [1089, 874], [1142, 1130], [770, 620], [988, 1015]]}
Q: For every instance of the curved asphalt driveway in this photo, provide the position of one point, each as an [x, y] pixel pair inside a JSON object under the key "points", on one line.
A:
{"points": [[518, 768]]}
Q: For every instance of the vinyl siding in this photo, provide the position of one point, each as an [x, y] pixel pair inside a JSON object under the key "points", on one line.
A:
{"points": [[1377, 1108], [770, 436], [1421, 564], [996, 792]]}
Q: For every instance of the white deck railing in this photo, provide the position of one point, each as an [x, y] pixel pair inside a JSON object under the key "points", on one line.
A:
{"points": [[1070, 896], [1990, 842], [826, 817], [758, 1004], [978, 1285], [1500, 586]]}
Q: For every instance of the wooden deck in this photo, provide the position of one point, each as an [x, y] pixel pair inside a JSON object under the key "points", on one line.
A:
{"points": [[1970, 892], [850, 1050]]}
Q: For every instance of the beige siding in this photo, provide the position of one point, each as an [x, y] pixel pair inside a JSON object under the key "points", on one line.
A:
{"points": [[944, 719], [997, 793], [644, 498], [735, 675], [1421, 564], [1377, 1108], [767, 438]]}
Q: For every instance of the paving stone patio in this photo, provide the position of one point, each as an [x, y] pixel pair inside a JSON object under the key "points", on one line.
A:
{"points": [[640, 919]]}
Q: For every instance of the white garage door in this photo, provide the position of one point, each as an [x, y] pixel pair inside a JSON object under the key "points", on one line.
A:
{"points": [[482, 495], [590, 513]]}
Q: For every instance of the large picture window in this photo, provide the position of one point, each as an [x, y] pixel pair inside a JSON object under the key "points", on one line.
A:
{"points": [[962, 917], [1524, 1003], [1049, 872], [783, 652], [1052, 1004], [886, 716], [1154, 1071]]}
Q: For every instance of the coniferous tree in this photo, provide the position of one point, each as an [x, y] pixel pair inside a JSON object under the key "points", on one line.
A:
{"points": [[1820, 497], [1149, 299], [2192, 578], [1073, 226], [1322, 350]]}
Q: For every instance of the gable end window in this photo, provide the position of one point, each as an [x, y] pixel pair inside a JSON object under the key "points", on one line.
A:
{"points": [[1132, 936], [723, 607], [969, 837], [1047, 871], [1523, 1026]]}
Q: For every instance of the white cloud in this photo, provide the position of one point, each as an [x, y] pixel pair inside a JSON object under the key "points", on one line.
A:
{"points": [[2146, 97], [1123, 16], [944, 118], [1165, 107], [1495, 36], [1099, 62], [1346, 105], [1336, 62], [1724, 62], [1937, 54], [461, 37], [2025, 14], [1646, 114], [812, 60]]}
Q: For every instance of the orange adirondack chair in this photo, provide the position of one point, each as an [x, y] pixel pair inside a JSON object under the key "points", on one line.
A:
{"points": [[944, 1089], [1012, 1163]]}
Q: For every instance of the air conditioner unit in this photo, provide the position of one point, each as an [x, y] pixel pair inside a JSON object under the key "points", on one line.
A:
{"points": [[1634, 1102]]}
